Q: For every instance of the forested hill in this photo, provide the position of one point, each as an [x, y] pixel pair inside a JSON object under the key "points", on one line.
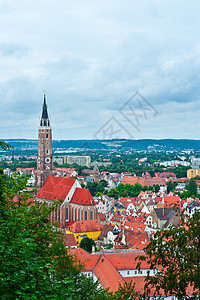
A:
{"points": [[143, 144]]}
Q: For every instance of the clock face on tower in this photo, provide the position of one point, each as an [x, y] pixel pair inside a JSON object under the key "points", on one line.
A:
{"points": [[47, 160]]}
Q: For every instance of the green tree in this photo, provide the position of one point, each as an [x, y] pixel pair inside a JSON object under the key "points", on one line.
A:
{"points": [[92, 187], [113, 193], [192, 187], [87, 243], [170, 186], [126, 292], [88, 289], [177, 253], [185, 194], [104, 183], [157, 188], [5, 146], [34, 263]]}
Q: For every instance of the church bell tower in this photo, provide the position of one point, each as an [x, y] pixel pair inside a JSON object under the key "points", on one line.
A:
{"points": [[44, 160]]}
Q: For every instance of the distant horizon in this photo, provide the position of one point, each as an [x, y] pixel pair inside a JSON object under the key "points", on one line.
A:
{"points": [[120, 139]]}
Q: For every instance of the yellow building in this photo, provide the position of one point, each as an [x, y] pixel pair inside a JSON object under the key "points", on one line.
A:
{"points": [[85, 228], [191, 173]]}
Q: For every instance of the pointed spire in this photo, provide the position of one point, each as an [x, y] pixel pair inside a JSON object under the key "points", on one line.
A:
{"points": [[44, 119], [96, 167]]}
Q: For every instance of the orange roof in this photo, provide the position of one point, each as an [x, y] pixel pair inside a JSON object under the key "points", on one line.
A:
{"points": [[107, 274], [56, 188], [126, 261], [130, 180], [102, 217], [82, 196], [86, 226], [135, 226], [172, 200], [69, 240], [143, 181], [101, 267]]}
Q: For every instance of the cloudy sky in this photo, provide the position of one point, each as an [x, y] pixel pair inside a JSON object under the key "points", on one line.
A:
{"points": [[110, 68]]}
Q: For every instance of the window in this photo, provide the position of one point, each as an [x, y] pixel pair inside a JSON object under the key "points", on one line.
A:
{"points": [[128, 272], [91, 215], [85, 214], [66, 213], [47, 135]]}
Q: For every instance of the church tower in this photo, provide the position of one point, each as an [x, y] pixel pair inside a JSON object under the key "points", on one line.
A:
{"points": [[95, 173], [44, 160]]}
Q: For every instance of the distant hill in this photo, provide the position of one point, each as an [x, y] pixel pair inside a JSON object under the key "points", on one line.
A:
{"points": [[122, 144]]}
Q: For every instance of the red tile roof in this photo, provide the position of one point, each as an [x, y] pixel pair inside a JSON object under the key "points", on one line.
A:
{"points": [[69, 240], [143, 181], [82, 196], [101, 267], [126, 261], [102, 217], [172, 201], [56, 188], [86, 226], [107, 274]]}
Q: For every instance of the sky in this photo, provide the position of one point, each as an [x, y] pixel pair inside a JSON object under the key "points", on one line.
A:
{"points": [[110, 69]]}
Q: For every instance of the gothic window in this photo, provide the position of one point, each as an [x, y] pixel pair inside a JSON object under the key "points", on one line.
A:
{"points": [[91, 215], [66, 213], [85, 215]]}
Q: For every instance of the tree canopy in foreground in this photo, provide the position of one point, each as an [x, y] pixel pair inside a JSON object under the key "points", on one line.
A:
{"points": [[175, 253]]}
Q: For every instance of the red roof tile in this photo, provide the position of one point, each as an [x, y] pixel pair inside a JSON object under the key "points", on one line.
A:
{"points": [[56, 188], [107, 274], [82, 196], [86, 226], [126, 261], [70, 240]]}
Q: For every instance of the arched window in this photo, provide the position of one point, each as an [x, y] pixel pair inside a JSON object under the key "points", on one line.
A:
{"points": [[91, 215], [85, 214], [66, 213]]}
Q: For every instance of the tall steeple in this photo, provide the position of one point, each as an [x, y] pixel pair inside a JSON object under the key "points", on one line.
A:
{"points": [[44, 118], [44, 161]]}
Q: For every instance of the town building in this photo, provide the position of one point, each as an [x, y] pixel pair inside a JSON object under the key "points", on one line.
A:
{"points": [[191, 173], [79, 160], [76, 203]]}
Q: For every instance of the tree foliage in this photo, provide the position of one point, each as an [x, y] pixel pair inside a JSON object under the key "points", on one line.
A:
{"points": [[5, 146], [34, 263], [86, 244], [175, 253]]}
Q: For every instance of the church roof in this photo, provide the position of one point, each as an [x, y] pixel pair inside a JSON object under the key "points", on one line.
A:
{"points": [[44, 119], [82, 196], [56, 188]]}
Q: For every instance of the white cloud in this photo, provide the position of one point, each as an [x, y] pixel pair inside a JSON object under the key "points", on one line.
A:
{"points": [[91, 57]]}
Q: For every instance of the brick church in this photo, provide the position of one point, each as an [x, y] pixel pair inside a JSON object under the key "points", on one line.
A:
{"points": [[78, 203]]}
